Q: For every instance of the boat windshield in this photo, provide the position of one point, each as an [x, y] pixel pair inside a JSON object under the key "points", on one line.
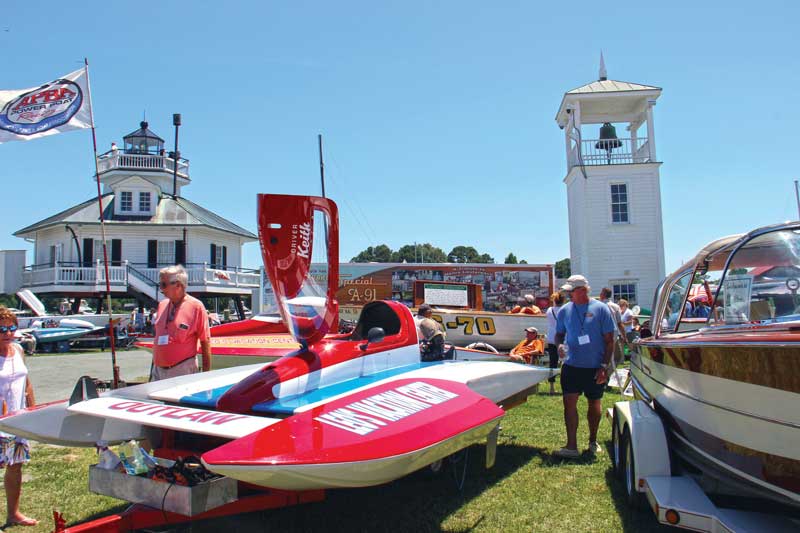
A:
{"points": [[761, 282]]}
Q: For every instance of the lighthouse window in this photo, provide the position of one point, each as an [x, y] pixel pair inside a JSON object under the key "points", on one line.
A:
{"points": [[619, 203], [166, 253], [126, 201], [144, 202]]}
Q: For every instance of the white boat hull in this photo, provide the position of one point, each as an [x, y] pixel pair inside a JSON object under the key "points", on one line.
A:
{"points": [[730, 425], [351, 474], [501, 330]]}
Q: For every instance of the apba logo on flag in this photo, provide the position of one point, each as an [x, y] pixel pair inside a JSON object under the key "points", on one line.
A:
{"points": [[44, 108]]}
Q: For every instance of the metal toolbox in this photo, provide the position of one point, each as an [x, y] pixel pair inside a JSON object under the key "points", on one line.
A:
{"points": [[186, 501]]}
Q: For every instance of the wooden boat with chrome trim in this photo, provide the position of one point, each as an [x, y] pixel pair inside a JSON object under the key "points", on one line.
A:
{"points": [[727, 386]]}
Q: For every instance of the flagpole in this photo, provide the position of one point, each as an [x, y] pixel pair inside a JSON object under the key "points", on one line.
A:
{"points": [[115, 368]]}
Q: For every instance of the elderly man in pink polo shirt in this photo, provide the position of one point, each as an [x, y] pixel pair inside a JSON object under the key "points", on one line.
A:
{"points": [[182, 322]]}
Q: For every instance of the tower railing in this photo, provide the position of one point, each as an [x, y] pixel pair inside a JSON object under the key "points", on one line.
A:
{"points": [[603, 152], [119, 160]]}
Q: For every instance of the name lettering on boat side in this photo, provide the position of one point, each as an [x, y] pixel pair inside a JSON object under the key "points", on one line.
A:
{"points": [[176, 413], [301, 239], [367, 415]]}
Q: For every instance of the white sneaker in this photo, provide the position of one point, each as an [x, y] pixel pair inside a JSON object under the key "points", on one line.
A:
{"points": [[567, 453], [594, 448]]}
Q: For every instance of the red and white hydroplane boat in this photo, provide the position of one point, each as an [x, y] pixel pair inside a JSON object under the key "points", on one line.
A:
{"points": [[347, 410]]}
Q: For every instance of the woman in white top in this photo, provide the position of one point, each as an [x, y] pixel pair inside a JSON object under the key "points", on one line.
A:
{"points": [[15, 393], [627, 318], [556, 301]]}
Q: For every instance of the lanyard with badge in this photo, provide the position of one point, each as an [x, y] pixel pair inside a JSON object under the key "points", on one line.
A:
{"points": [[583, 338], [163, 340]]}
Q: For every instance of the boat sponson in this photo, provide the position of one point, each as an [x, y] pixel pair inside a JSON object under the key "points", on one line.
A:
{"points": [[395, 419], [53, 424]]}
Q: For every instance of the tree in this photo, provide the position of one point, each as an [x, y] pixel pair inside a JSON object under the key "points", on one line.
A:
{"points": [[429, 253], [405, 253], [410, 253], [378, 254], [463, 254], [8, 300], [364, 256], [563, 268], [383, 254], [511, 259], [484, 258], [523, 262]]}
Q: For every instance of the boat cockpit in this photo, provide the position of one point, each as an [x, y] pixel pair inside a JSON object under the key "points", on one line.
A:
{"points": [[735, 282], [376, 315]]}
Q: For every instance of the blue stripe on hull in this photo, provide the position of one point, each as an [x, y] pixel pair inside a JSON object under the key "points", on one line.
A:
{"points": [[289, 404]]}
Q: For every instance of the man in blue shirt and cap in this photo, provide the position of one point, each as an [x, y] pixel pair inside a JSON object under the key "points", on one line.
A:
{"points": [[585, 338]]}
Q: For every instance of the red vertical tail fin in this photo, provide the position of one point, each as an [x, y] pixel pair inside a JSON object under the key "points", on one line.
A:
{"points": [[286, 226]]}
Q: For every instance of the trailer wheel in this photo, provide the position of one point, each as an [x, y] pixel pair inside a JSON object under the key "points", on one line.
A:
{"points": [[617, 462], [46, 347], [635, 499]]}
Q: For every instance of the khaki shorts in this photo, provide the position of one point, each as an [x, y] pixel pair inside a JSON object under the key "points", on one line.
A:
{"points": [[184, 368]]}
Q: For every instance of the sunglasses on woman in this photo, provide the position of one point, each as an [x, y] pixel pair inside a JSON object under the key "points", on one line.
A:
{"points": [[6, 329], [164, 284]]}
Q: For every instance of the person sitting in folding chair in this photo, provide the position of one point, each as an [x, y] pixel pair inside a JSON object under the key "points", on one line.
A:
{"points": [[528, 348]]}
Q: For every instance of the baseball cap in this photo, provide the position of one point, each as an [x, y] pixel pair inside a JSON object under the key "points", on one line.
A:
{"points": [[575, 281], [532, 330]]}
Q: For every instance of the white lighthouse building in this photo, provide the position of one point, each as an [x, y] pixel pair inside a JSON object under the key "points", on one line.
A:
{"points": [[149, 224], [613, 187]]}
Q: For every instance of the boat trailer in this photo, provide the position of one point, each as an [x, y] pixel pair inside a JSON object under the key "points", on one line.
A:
{"points": [[156, 503], [139, 516], [641, 458]]}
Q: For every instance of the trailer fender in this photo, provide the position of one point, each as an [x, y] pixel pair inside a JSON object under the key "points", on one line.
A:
{"points": [[648, 439]]}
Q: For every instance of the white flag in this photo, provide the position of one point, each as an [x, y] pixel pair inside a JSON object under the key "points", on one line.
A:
{"points": [[55, 107]]}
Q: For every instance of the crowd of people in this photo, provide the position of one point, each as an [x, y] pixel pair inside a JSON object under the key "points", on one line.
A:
{"points": [[583, 334], [586, 335]]}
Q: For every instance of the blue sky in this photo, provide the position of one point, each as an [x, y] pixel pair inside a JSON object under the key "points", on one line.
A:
{"points": [[437, 117]]}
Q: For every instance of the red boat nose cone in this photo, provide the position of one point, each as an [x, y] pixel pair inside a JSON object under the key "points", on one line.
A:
{"points": [[386, 420]]}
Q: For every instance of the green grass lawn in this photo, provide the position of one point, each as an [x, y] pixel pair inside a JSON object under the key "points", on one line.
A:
{"points": [[526, 490]]}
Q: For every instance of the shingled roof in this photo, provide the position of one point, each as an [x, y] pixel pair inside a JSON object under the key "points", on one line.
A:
{"points": [[169, 212], [611, 86]]}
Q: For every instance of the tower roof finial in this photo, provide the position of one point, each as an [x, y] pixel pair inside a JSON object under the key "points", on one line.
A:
{"points": [[603, 73]]}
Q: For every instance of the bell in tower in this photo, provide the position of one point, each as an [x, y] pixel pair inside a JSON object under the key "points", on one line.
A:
{"points": [[608, 140]]}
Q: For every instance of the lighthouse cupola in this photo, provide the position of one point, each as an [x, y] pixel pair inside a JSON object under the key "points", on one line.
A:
{"points": [[143, 141]]}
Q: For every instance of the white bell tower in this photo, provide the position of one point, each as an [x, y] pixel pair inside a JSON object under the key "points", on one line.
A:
{"points": [[616, 237]]}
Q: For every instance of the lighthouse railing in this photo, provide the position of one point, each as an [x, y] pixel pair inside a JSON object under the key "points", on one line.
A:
{"points": [[118, 160], [76, 273]]}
